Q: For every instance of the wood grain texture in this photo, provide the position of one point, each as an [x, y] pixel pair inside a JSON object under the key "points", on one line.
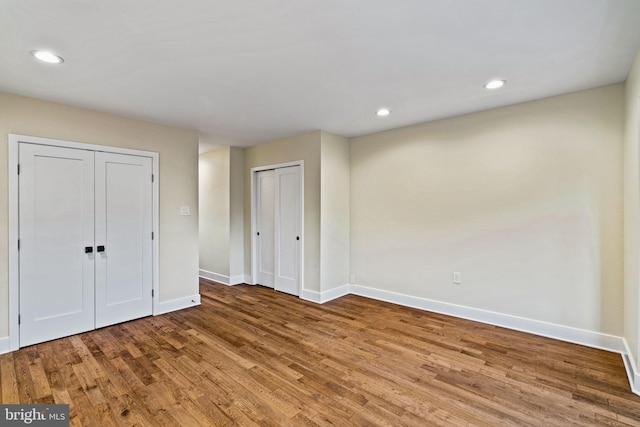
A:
{"points": [[252, 356]]}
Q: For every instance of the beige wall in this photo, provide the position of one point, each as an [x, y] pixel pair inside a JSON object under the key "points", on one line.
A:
{"points": [[334, 211], [214, 200], [304, 147], [221, 211], [178, 149], [631, 210], [525, 201], [236, 196]]}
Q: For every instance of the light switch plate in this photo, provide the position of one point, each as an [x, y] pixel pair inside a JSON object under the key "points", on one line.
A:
{"points": [[456, 277], [185, 211]]}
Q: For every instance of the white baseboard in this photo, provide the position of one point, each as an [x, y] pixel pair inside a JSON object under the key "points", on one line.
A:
{"points": [[176, 304], [4, 345], [536, 327], [334, 293], [221, 278], [632, 368], [326, 296], [312, 296]]}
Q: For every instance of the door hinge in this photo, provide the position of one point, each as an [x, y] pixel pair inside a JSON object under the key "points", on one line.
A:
{"points": [[152, 293], [18, 244], [19, 319], [152, 235], [152, 178], [18, 168]]}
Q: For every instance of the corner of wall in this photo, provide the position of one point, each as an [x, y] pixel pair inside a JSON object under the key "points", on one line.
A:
{"points": [[632, 214], [176, 304], [631, 368]]}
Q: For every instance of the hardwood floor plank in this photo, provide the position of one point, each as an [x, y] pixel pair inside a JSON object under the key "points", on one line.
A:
{"points": [[9, 382], [23, 377], [250, 356]]}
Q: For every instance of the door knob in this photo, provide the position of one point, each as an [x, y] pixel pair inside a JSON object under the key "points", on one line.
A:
{"points": [[88, 249], [100, 248]]}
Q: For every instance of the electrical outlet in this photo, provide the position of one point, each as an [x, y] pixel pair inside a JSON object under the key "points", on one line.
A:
{"points": [[456, 277], [352, 279], [185, 210]]}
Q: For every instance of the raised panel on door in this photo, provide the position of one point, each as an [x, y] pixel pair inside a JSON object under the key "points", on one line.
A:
{"points": [[123, 238], [287, 230], [265, 227], [56, 215]]}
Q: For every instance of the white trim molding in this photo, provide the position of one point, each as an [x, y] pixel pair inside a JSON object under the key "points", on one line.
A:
{"points": [[14, 257], [221, 278], [632, 368], [164, 307], [326, 296]]}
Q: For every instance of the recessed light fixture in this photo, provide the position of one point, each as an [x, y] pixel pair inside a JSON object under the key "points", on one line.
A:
{"points": [[494, 84], [46, 56], [383, 112]]}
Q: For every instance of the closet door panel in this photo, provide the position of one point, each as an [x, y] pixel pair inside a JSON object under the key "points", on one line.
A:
{"points": [[123, 238], [265, 227], [287, 230], [56, 214]]}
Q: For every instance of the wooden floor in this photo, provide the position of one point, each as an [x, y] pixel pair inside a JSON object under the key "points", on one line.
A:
{"points": [[252, 356]]}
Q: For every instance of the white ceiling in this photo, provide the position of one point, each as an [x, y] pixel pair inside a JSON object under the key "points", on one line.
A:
{"points": [[247, 71]]}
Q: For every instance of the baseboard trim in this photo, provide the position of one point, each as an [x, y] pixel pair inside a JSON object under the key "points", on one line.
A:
{"points": [[631, 368], [221, 278], [335, 293], [176, 304], [326, 296], [536, 327], [5, 346], [312, 296]]}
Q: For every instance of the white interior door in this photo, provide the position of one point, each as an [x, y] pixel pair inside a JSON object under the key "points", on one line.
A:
{"points": [[56, 215], [287, 230], [265, 219], [123, 201]]}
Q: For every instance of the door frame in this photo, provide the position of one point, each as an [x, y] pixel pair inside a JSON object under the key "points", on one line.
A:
{"points": [[254, 219], [14, 226]]}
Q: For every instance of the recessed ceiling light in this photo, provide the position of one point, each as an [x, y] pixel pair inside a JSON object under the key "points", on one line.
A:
{"points": [[494, 84], [46, 56], [382, 112]]}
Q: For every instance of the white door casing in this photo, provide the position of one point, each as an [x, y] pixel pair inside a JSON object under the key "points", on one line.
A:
{"points": [[123, 202], [56, 225]]}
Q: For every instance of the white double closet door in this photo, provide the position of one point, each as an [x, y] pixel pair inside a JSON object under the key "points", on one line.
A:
{"points": [[278, 207], [85, 240]]}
